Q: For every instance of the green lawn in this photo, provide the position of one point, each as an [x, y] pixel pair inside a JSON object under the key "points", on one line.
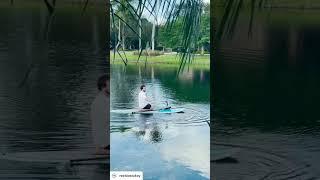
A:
{"points": [[169, 59]]}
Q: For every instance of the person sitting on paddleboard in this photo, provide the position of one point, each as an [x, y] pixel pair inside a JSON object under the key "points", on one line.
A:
{"points": [[144, 104]]}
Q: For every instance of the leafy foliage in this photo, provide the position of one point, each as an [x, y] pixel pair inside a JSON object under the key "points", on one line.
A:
{"points": [[172, 37], [189, 11]]}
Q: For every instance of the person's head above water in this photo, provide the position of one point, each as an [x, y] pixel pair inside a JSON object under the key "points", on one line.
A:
{"points": [[103, 83], [143, 88]]}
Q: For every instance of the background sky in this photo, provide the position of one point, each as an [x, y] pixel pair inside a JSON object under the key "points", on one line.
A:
{"points": [[161, 20]]}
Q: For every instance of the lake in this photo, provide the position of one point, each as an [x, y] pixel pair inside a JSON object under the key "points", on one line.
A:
{"points": [[163, 146], [266, 95], [47, 83]]}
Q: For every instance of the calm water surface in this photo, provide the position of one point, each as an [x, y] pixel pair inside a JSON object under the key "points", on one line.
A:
{"points": [[266, 98], [163, 146], [47, 82]]}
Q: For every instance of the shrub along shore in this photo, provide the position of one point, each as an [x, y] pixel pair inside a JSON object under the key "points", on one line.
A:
{"points": [[166, 58]]}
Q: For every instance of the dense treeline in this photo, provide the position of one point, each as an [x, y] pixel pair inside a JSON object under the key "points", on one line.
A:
{"points": [[172, 37], [124, 35]]}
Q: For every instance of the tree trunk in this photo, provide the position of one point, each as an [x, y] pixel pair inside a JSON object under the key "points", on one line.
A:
{"points": [[140, 29], [119, 33], [153, 35], [123, 38], [202, 50]]}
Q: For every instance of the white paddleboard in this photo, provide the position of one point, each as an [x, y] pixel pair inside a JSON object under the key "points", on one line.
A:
{"points": [[159, 111]]}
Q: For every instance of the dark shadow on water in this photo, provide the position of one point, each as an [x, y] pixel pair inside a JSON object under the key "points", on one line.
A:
{"points": [[226, 160]]}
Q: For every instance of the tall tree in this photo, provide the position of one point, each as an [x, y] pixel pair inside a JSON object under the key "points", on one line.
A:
{"points": [[154, 24], [153, 35], [204, 37], [123, 18], [140, 26]]}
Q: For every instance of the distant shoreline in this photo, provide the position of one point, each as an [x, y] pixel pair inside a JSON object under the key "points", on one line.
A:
{"points": [[294, 7], [166, 59]]}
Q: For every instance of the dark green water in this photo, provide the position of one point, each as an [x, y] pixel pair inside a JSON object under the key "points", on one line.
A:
{"points": [[163, 146], [47, 83], [266, 97]]}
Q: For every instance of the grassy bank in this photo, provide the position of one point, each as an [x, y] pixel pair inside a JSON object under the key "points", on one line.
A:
{"points": [[166, 59], [280, 3], [276, 16], [61, 5]]}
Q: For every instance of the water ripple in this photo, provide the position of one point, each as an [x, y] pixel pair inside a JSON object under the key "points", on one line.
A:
{"points": [[261, 164]]}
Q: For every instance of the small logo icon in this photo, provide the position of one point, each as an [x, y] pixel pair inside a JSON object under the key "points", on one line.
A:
{"points": [[114, 175]]}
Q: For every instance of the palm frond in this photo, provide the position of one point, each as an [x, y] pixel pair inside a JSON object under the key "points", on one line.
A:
{"points": [[188, 10], [49, 6], [127, 24], [231, 13], [85, 7]]}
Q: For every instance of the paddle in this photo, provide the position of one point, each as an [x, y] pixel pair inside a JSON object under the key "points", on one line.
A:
{"points": [[167, 107]]}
